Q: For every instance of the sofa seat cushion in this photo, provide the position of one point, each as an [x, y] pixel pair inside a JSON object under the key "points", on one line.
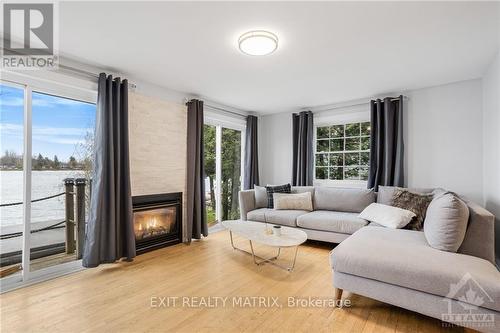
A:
{"points": [[403, 258], [282, 217], [324, 220]]}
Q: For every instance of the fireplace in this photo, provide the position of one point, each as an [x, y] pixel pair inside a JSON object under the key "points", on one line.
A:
{"points": [[157, 220]]}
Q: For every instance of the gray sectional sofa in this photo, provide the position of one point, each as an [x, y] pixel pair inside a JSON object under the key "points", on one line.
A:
{"points": [[398, 266]]}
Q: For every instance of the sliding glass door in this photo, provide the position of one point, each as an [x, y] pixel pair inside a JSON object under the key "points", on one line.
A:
{"points": [[230, 173], [209, 133], [45, 166], [62, 141], [11, 177], [223, 171]]}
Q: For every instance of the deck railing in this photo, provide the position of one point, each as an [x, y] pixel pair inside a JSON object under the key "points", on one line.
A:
{"points": [[74, 223]]}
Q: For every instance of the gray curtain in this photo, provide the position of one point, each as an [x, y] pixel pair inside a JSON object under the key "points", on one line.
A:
{"points": [[195, 203], [251, 154], [110, 231], [386, 143], [303, 155]]}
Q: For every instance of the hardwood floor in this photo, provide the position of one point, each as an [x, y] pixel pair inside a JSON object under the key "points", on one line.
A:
{"points": [[117, 297]]}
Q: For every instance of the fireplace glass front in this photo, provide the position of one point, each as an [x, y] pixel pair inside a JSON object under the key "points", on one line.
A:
{"points": [[157, 220]]}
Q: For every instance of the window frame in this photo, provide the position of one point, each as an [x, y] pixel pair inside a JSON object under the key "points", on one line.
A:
{"points": [[357, 115], [30, 84]]}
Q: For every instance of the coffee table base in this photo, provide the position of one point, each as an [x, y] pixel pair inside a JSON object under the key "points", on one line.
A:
{"points": [[266, 260]]}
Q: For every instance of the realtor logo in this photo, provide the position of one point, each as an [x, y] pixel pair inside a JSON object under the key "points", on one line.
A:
{"points": [[29, 36], [470, 310]]}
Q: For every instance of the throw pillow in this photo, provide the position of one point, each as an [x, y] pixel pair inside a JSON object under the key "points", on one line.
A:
{"points": [[385, 193], [414, 202], [260, 196], [295, 201], [287, 188], [388, 216], [446, 222]]}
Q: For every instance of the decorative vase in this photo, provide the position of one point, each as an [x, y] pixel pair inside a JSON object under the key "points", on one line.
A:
{"points": [[277, 230]]}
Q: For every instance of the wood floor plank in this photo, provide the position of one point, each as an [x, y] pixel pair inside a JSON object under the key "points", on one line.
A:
{"points": [[117, 297]]}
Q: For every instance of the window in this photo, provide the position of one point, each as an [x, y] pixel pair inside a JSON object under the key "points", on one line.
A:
{"points": [[343, 152], [46, 137]]}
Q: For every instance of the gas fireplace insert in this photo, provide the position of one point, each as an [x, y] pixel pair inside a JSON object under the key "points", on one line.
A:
{"points": [[157, 220]]}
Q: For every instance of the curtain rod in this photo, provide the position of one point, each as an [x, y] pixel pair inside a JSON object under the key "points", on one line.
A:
{"points": [[340, 106], [224, 110], [392, 98], [87, 73]]}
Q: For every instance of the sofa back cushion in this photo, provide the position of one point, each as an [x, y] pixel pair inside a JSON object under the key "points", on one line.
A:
{"points": [[343, 199], [302, 189], [446, 222]]}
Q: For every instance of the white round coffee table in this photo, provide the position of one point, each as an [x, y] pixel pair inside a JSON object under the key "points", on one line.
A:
{"points": [[256, 232]]}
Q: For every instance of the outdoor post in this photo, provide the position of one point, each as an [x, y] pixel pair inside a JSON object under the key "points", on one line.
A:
{"points": [[80, 215], [70, 215]]}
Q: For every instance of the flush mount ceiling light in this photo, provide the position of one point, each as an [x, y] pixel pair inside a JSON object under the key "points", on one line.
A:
{"points": [[258, 43]]}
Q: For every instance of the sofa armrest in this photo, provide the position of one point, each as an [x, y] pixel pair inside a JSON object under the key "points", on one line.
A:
{"points": [[479, 238], [247, 203]]}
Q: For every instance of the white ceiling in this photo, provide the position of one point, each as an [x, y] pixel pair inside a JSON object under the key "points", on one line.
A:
{"points": [[329, 52]]}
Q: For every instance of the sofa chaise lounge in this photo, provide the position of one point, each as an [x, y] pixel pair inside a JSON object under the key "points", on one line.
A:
{"points": [[398, 266]]}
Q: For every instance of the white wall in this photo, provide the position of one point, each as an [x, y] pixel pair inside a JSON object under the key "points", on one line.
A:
{"points": [[275, 148], [443, 142], [491, 146]]}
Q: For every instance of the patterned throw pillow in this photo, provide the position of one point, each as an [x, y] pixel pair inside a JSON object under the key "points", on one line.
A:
{"points": [[287, 188], [414, 202]]}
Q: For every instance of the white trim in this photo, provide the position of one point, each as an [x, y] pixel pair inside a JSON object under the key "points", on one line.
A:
{"points": [[218, 173], [242, 158], [7, 282], [53, 87], [359, 113], [44, 274], [27, 185], [217, 118], [340, 183], [223, 108], [341, 107]]}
